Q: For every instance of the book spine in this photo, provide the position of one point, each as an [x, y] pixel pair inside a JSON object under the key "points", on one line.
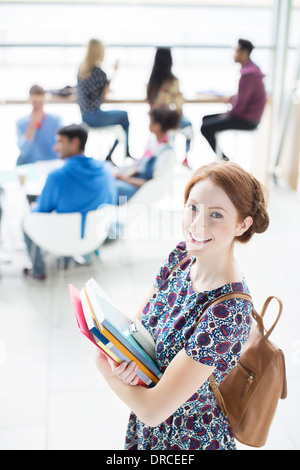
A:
{"points": [[129, 355], [117, 359], [118, 356], [109, 353], [147, 363]]}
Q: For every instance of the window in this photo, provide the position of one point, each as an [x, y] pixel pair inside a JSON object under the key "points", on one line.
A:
{"points": [[44, 42]]}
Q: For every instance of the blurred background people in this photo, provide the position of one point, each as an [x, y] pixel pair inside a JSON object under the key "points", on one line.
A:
{"points": [[163, 90], [158, 159], [82, 184], [247, 105], [36, 132], [92, 85]]}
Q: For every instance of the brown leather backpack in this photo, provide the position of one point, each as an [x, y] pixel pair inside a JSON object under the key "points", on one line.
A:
{"points": [[249, 394]]}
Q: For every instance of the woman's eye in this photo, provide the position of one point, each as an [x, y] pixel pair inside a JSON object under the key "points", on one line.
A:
{"points": [[216, 215], [192, 207]]}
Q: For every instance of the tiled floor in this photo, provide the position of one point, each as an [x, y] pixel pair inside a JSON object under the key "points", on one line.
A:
{"points": [[51, 396]]}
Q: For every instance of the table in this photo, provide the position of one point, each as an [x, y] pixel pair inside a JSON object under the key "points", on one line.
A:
{"points": [[31, 177], [200, 98]]}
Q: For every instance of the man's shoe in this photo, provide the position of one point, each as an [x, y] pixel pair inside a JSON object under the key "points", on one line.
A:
{"points": [[128, 154], [109, 160], [29, 273]]}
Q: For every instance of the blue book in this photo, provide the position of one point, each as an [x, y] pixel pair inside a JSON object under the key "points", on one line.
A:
{"points": [[132, 345]]}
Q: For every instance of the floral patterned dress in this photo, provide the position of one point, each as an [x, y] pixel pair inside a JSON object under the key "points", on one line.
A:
{"points": [[216, 340]]}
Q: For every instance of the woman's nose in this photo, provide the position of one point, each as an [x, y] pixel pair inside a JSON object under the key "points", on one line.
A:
{"points": [[198, 220]]}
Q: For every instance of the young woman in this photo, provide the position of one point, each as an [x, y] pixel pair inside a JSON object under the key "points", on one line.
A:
{"points": [[92, 85], [223, 205], [163, 90], [158, 159]]}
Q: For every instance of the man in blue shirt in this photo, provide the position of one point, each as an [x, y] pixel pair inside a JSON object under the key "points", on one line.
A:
{"points": [[36, 132], [82, 184]]}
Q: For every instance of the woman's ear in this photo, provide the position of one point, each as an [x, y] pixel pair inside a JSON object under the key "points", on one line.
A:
{"points": [[243, 226]]}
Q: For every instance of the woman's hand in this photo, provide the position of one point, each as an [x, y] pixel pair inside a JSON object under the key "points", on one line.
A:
{"points": [[125, 372]]}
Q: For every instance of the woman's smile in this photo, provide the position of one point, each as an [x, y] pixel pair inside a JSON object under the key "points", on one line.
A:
{"points": [[199, 241]]}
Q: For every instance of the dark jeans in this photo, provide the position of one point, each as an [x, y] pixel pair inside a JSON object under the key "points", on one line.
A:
{"points": [[222, 122], [99, 118], [36, 257], [125, 190], [186, 125]]}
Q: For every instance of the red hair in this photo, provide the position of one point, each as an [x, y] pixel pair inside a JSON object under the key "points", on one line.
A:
{"points": [[246, 193]]}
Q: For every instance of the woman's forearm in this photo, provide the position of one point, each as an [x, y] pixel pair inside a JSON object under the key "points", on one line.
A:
{"points": [[137, 398], [135, 181], [154, 405]]}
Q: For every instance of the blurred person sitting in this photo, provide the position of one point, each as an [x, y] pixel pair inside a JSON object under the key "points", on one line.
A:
{"points": [[247, 105], [158, 159], [163, 91], [82, 184], [36, 132], [92, 86]]}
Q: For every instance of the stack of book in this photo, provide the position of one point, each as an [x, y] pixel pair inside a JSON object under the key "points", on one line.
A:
{"points": [[121, 338]]}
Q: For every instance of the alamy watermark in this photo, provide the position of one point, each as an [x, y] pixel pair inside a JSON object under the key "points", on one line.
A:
{"points": [[137, 222]]}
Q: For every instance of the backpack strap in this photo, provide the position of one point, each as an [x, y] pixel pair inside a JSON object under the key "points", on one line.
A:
{"points": [[229, 295], [258, 318], [214, 386], [265, 306], [241, 295], [233, 295]]}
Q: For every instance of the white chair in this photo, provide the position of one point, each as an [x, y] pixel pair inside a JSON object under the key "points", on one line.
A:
{"points": [[60, 234], [237, 144], [152, 191], [101, 139], [139, 217], [184, 134], [155, 189]]}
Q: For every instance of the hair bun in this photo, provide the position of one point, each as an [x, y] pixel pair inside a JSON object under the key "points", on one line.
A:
{"points": [[260, 215]]}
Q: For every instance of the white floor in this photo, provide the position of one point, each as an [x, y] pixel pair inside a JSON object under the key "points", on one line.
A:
{"points": [[51, 395]]}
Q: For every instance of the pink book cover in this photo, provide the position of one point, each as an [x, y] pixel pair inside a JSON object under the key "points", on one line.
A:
{"points": [[80, 318], [79, 315]]}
